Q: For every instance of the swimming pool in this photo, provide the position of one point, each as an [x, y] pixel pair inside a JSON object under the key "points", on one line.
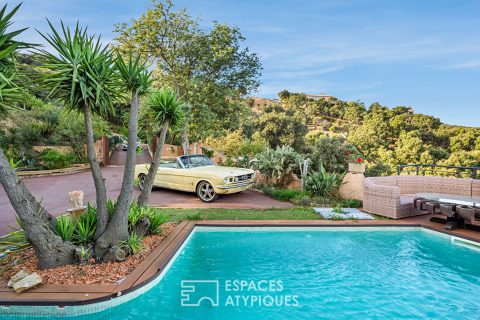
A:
{"points": [[304, 273]]}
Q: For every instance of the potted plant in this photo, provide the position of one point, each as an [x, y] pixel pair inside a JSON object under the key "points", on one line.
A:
{"points": [[355, 160]]}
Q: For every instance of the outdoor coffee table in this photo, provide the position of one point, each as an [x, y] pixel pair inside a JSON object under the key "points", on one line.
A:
{"points": [[473, 201]]}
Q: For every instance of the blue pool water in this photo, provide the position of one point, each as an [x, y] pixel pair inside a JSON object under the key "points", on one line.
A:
{"points": [[312, 274]]}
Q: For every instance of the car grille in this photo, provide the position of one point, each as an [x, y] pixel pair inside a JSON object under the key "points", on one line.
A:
{"points": [[244, 177]]}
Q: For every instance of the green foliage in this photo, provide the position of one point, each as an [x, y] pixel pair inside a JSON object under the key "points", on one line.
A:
{"points": [[110, 207], [338, 209], [65, 227], [14, 241], [281, 126], [351, 203], [156, 220], [282, 194], [134, 244], [85, 227], [52, 159], [333, 153], [9, 90], [81, 69], [165, 105], [207, 65], [322, 183], [135, 213], [234, 144], [134, 74], [278, 164]]}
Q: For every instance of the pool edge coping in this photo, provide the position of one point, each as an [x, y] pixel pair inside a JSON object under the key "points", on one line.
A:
{"points": [[148, 271]]}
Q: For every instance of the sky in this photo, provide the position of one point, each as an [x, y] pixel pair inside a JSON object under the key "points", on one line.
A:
{"points": [[419, 53]]}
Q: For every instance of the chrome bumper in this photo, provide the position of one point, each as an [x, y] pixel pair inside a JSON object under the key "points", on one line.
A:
{"points": [[239, 185]]}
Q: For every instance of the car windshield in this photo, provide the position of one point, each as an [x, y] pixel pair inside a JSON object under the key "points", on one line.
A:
{"points": [[195, 161]]}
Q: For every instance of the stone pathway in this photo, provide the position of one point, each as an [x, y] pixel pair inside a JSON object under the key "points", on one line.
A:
{"points": [[349, 213]]}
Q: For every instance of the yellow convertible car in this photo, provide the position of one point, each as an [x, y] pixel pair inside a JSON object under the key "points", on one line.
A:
{"points": [[197, 173]]}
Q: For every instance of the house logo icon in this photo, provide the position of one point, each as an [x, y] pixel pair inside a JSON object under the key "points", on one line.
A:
{"points": [[195, 293]]}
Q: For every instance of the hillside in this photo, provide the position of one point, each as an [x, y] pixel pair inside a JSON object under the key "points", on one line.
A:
{"points": [[386, 136]]}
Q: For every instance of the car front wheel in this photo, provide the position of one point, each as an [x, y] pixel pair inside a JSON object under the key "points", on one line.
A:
{"points": [[205, 192], [141, 181]]}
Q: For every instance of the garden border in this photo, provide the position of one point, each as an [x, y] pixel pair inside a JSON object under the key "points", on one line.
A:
{"points": [[153, 265]]}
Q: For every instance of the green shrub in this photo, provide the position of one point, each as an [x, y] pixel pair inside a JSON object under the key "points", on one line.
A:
{"points": [[323, 183], [135, 213], [134, 243], [156, 220], [282, 194], [338, 209], [52, 159], [65, 227], [333, 153], [351, 203]]}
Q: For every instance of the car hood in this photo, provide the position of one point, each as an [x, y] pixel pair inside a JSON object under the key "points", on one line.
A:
{"points": [[221, 171]]}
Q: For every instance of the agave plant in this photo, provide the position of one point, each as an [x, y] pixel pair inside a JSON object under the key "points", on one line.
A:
{"points": [[323, 183]]}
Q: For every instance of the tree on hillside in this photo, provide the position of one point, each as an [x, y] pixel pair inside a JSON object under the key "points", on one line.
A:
{"points": [[135, 79], [83, 78], [282, 127], [208, 68], [166, 110], [51, 250]]}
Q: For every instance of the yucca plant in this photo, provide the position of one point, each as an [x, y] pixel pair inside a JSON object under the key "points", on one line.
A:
{"points": [[166, 109], [49, 248], [65, 227], [323, 183], [83, 77], [135, 79], [10, 92]]}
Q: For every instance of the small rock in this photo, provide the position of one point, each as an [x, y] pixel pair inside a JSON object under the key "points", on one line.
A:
{"points": [[17, 277], [28, 282]]}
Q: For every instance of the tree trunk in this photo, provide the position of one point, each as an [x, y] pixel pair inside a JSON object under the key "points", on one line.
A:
{"points": [[117, 228], [185, 142], [144, 197], [101, 191], [51, 250]]}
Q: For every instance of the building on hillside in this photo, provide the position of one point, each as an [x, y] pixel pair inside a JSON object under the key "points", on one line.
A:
{"points": [[319, 96]]}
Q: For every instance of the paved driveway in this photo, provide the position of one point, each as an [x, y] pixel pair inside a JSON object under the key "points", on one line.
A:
{"points": [[53, 191]]}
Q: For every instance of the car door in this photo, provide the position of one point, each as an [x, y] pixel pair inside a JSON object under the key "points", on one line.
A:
{"points": [[170, 177]]}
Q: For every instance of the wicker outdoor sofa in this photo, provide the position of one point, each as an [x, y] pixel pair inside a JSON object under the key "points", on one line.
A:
{"points": [[393, 196]]}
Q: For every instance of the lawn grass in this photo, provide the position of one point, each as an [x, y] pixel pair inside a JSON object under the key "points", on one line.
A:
{"points": [[297, 213]]}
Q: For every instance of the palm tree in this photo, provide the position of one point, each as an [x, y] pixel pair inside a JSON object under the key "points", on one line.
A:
{"points": [[167, 111], [136, 79], [83, 77], [50, 249]]}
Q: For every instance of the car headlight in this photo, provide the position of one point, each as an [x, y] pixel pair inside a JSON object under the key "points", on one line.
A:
{"points": [[226, 180], [236, 179]]}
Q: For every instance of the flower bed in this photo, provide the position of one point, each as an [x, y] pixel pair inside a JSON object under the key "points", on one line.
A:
{"points": [[91, 273]]}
